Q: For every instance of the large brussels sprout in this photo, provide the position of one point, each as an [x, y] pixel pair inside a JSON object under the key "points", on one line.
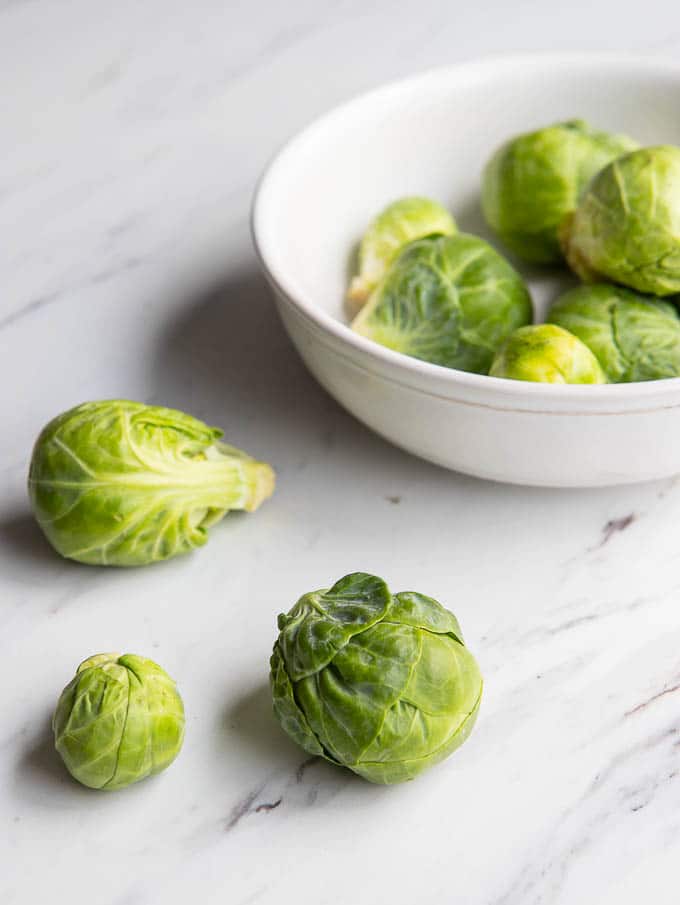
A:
{"points": [[546, 354], [399, 223], [119, 720], [534, 180], [119, 483], [633, 336], [627, 225], [379, 683], [449, 300]]}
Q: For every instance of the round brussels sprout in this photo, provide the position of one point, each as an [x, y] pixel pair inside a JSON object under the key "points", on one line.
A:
{"points": [[534, 180], [119, 720], [546, 354], [399, 223], [379, 683], [120, 483], [449, 300], [627, 225], [633, 337]]}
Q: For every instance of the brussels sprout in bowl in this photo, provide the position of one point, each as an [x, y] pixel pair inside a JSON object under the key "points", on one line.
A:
{"points": [[430, 136], [534, 180], [401, 222], [626, 227], [634, 337], [449, 300], [547, 354]]}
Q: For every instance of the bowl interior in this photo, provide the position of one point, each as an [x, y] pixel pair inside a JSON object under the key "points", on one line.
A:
{"points": [[432, 135]]}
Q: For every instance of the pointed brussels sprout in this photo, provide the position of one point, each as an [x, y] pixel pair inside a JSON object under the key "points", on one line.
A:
{"points": [[626, 227], [449, 300], [119, 720], [533, 181], [634, 337], [379, 683], [399, 223], [120, 483], [545, 353]]}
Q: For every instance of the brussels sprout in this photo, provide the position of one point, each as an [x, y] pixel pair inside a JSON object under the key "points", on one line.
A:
{"points": [[119, 483], [546, 354], [401, 222], [627, 224], [448, 300], [119, 720], [377, 683], [534, 180], [633, 337]]}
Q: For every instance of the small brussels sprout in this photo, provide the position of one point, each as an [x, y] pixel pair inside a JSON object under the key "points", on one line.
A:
{"points": [[627, 225], [120, 483], [546, 354], [119, 720], [449, 300], [401, 222], [379, 683], [534, 180], [633, 336]]}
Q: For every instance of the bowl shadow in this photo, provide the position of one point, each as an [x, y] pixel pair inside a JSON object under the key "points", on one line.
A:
{"points": [[225, 354], [226, 358]]}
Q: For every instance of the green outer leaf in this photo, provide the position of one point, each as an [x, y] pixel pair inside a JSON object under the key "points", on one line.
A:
{"points": [[401, 222], [634, 337], [89, 721], [127, 484], [345, 702], [391, 696], [394, 771], [546, 353], [290, 716], [449, 300], [119, 720], [533, 181], [626, 227], [322, 622], [412, 608], [423, 725]]}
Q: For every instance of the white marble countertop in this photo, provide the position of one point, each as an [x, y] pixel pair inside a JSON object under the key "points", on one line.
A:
{"points": [[132, 134]]}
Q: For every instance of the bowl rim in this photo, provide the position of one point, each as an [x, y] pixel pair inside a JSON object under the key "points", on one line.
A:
{"points": [[263, 213]]}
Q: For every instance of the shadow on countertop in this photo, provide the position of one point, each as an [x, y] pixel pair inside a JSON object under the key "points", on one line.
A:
{"points": [[252, 718], [252, 721], [42, 774], [21, 537], [226, 358], [225, 355]]}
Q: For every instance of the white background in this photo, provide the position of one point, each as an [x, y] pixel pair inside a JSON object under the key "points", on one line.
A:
{"points": [[131, 136]]}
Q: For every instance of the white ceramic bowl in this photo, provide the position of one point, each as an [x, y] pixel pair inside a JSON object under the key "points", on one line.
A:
{"points": [[431, 135]]}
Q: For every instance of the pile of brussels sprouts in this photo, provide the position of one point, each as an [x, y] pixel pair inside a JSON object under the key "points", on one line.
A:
{"points": [[379, 683], [563, 195]]}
